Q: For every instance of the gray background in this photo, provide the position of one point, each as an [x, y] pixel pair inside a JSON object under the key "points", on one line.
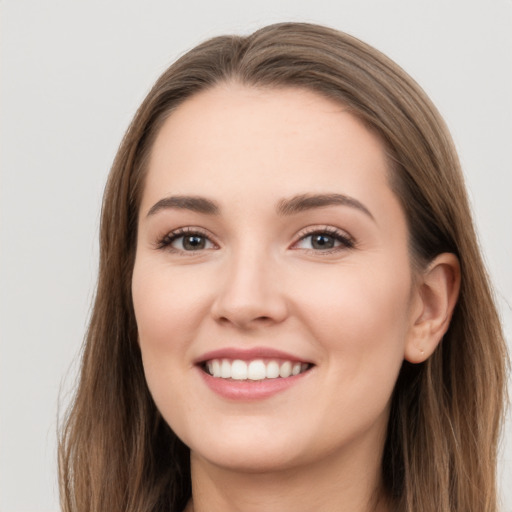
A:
{"points": [[73, 73]]}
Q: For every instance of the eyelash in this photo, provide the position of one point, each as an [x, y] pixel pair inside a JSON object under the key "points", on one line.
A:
{"points": [[346, 242], [167, 241]]}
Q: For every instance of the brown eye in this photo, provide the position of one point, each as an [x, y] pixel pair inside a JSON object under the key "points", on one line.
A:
{"points": [[186, 240], [191, 242]]}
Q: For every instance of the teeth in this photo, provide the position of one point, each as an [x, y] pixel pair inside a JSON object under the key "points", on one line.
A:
{"points": [[272, 370], [253, 370], [285, 370], [257, 370], [225, 369], [238, 370], [215, 368]]}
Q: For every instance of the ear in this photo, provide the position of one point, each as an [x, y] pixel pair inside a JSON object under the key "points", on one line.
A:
{"points": [[437, 290]]}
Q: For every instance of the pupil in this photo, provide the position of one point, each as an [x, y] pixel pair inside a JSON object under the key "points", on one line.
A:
{"points": [[193, 242], [323, 242]]}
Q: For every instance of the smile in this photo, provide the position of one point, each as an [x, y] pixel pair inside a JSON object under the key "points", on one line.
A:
{"points": [[254, 370], [250, 374]]}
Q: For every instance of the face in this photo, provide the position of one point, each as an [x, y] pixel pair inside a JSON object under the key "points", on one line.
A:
{"points": [[272, 284]]}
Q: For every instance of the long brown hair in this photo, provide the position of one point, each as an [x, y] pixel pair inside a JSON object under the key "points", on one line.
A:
{"points": [[116, 451]]}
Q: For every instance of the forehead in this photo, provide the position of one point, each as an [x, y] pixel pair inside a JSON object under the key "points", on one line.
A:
{"points": [[234, 139]]}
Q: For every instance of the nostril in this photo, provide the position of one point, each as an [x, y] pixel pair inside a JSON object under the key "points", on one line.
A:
{"points": [[248, 307], [245, 322]]}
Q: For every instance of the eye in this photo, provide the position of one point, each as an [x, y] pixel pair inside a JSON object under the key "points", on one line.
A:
{"points": [[324, 240], [186, 240], [195, 242]]}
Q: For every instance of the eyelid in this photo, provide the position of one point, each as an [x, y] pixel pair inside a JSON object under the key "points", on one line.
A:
{"points": [[164, 242], [347, 241]]}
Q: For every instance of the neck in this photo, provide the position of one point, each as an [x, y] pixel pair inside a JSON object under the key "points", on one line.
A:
{"points": [[330, 485]]}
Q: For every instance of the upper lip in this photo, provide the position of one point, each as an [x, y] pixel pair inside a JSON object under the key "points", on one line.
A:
{"points": [[247, 354]]}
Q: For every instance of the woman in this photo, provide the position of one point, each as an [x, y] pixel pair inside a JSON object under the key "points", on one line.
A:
{"points": [[292, 312]]}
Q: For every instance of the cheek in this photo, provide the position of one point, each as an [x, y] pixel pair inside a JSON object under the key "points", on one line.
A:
{"points": [[166, 311], [359, 316], [166, 307], [164, 318]]}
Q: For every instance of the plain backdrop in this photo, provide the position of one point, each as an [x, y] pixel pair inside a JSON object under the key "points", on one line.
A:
{"points": [[72, 74]]}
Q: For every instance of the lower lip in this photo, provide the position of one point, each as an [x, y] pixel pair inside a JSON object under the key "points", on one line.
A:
{"points": [[250, 390]]}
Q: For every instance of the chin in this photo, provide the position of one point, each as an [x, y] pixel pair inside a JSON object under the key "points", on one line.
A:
{"points": [[252, 459], [249, 449]]}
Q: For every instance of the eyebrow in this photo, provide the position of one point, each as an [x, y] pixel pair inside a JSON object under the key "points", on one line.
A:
{"points": [[285, 207], [306, 202], [193, 203]]}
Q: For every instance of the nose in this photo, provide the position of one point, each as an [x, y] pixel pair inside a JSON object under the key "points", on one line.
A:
{"points": [[250, 293]]}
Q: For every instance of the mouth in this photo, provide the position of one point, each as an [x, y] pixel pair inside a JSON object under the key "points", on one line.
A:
{"points": [[252, 374], [255, 370]]}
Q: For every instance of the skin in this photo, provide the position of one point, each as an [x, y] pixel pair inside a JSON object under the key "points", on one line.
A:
{"points": [[354, 312]]}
